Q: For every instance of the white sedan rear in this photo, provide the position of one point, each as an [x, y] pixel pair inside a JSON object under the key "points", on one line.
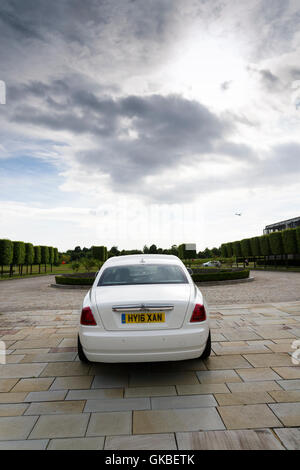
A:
{"points": [[143, 308]]}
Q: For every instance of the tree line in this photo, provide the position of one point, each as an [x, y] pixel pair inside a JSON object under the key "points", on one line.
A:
{"points": [[20, 254], [281, 243]]}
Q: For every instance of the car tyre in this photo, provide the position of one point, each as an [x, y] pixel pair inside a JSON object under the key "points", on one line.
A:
{"points": [[81, 354], [207, 350]]}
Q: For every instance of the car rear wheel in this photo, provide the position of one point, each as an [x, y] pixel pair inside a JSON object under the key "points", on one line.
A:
{"points": [[207, 350], [81, 354]]}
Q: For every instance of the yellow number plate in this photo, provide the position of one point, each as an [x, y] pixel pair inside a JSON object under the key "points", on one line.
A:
{"points": [[154, 317]]}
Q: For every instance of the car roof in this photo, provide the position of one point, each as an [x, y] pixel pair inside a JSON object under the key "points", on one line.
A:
{"points": [[149, 258]]}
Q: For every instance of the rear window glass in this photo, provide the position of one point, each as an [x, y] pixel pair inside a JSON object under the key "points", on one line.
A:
{"points": [[142, 274]]}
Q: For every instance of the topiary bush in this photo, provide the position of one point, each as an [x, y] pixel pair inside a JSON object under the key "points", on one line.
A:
{"points": [[6, 253], [289, 240], [74, 281], [221, 276]]}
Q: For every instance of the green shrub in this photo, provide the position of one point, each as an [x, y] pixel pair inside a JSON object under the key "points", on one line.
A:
{"points": [[88, 263], [236, 248], [220, 276], [29, 253], [246, 247], [255, 246], [99, 253], [264, 243], [6, 252], [37, 255], [298, 239], [289, 239], [18, 253], [224, 251], [75, 281], [51, 254], [75, 266], [56, 256], [276, 243], [229, 246], [44, 255]]}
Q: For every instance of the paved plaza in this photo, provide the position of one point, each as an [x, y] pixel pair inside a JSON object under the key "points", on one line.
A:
{"points": [[245, 396]]}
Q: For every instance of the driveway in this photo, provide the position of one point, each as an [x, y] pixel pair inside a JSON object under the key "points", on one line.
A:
{"points": [[245, 396]]}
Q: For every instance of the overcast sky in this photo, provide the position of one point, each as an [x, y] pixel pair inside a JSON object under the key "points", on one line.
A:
{"points": [[132, 122]]}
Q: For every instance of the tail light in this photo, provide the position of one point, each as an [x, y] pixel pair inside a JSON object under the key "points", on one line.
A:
{"points": [[87, 317], [199, 314]]}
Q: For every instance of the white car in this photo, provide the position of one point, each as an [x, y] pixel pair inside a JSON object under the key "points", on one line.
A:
{"points": [[212, 264], [143, 308]]}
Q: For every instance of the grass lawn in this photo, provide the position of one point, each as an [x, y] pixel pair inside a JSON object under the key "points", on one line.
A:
{"points": [[61, 269]]}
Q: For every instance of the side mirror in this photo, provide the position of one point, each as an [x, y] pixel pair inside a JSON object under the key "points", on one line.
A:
{"points": [[190, 271]]}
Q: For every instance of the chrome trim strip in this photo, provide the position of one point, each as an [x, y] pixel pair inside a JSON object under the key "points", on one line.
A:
{"points": [[141, 308]]}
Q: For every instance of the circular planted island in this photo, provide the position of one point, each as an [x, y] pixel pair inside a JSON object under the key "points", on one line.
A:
{"points": [[200, 275]]}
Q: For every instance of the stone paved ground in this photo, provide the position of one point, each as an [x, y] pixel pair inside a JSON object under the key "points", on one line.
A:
{"points": [[246, 395]]}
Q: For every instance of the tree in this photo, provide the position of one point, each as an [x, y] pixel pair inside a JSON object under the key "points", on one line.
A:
{"points": [[114, 251], [289, 240], [223, 249], [145, 250], [88, 263], [29, 256], [99, 253], [45, 256], [51, 256], [37, 256], [56, 257], [19, 255], [153, 249], [6, 253], [246, 248], [236, 248]]}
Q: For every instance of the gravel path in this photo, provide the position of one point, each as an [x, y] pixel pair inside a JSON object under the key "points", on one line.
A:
{"points": [[36, 293]]}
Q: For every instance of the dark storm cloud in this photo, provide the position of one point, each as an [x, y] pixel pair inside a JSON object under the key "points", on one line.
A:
{"points": [[133, 137]]}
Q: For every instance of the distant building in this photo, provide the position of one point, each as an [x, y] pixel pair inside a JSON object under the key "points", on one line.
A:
{"points": [[290, 223]]}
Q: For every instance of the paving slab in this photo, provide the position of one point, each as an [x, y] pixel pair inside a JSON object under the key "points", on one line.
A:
{"points": [[243, 398], [258, 439], [55, 407], [33, 385], [161, 421], [142, 442], [116, 404], [54, 426], [288, 413], [168, 390], [39, 444], [248, 417], [12, 428], [218, 376], [77, 443], [290, 437], [185, 401], [110, 424]]}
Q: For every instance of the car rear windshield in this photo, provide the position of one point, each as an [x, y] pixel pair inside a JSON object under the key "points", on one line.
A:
{"points": [[142, 274]]}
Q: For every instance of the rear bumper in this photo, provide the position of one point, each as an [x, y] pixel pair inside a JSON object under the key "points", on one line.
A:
{"points": [[141, 346]]}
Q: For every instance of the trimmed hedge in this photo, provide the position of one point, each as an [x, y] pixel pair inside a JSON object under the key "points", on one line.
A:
{"points": [[264, 244], [197, 277], [246, 247], [6, 252], [45, 254], [18, 253], [236, 248], [289, 239], [29, 253], [99, 253], [255, 246], [37, 255], [74, 281], [221, 276], [276, 243]]}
